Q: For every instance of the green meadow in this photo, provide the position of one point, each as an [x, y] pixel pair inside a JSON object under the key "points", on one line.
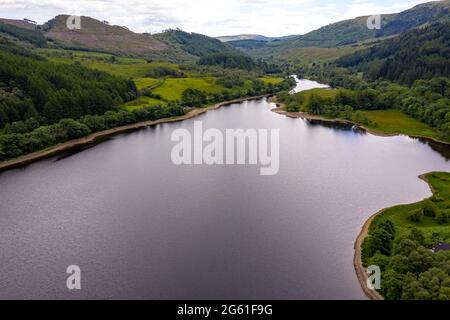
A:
{"points": [[173, 88], [396, 122], [169, 89]]}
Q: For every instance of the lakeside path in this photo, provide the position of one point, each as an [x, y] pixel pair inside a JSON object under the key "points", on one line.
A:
{"points": [[98, 137]]}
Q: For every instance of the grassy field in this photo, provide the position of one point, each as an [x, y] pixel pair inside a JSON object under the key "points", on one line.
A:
{"points": [[125, 67], [143, 102], [399, 215], [396, 122], [172, 89], [127, 70], [271, 80], [142, 83]]}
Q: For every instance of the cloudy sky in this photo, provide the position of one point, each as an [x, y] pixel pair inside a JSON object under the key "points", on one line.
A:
{"points": [[211, 17]]}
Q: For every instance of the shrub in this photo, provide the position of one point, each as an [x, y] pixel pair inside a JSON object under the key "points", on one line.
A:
{"points": [[430, 209], [415, 215], [442, 217], [74, 129]]}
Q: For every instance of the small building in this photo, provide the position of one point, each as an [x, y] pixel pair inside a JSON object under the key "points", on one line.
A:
{"points": [[441, 246]]}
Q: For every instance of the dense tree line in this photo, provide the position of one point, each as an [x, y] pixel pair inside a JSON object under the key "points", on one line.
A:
{"points": [[410, 270], [32, 87], [228, 60], [35, 137], [163, 71], [231, 81]]}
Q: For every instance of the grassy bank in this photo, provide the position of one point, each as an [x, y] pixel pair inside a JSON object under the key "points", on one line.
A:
{"points": [[393, 122], [380, 122]]}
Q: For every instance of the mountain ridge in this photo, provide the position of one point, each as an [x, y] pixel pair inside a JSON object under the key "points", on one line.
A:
{"points": [[353, 31]]}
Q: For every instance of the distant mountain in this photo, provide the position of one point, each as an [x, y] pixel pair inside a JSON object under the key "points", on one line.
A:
{"points": [[256, 37], [354, 31], [245, 37]]}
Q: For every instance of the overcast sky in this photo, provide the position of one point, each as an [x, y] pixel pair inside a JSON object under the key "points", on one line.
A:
{"points": [[210, 17]]}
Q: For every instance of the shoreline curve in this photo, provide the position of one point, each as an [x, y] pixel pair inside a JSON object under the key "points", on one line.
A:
{"points": [[307, 116], [98, 137], [357, 262]]}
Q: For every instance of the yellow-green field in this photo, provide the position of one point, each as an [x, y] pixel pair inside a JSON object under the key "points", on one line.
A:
{"points": [[397, 122], [271, 80], [172, 89], [143, 102], [142, 83]]}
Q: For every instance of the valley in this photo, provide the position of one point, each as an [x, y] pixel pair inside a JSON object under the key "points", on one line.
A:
{"points": [[87, 120]]}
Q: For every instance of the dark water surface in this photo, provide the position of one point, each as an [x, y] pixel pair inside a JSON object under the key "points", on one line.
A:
{"points": [[141, 227]]}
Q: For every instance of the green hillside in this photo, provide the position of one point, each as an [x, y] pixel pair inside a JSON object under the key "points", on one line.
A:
{"points": [[195, 44], [349, 32], [33, 89], [417, 54]]}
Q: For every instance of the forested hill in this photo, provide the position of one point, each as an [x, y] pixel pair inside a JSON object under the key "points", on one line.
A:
{"points": [[208, 51], [36, 91], [196, 44], [417, 54], [436, 11]]}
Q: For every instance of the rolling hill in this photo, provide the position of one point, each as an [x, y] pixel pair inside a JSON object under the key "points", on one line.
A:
{"points": [[98, 36], [94, 35], [19, 23], [257, 37], [351, 32]]}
